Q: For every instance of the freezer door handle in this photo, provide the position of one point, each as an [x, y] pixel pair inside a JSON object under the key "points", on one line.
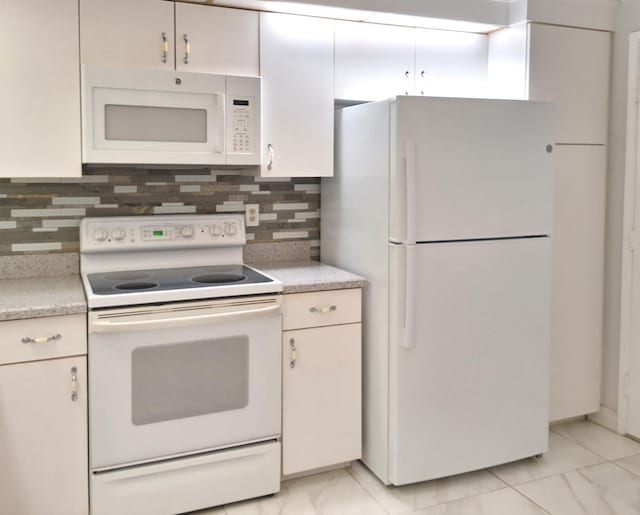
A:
{"points": [[410, 298], [410, 191]]}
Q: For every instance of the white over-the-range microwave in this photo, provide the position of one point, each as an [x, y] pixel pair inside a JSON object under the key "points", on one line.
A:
{"points": [[156, 117]]}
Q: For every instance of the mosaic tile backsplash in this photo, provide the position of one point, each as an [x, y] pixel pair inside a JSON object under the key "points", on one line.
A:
{"points": [[43, 215]]}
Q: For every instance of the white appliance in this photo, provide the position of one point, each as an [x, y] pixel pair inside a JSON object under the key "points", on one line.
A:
{"points": [[444, 204], [134, 116], [184, 365]]}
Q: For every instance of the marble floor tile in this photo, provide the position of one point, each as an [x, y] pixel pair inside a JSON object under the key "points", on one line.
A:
{"points": [[563, 456], [331, 493], [597, 439], [404, 499], [604, 489], [631, 463], [499, 502]]}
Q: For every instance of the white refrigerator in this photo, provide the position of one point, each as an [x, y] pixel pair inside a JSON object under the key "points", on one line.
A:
{"points": [[445, 206]]}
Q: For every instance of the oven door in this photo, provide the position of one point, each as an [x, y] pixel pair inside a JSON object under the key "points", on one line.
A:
{"points": [[181, 378]]}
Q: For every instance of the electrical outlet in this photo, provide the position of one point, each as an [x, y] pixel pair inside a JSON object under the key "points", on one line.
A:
{"points": [[252, 215]]}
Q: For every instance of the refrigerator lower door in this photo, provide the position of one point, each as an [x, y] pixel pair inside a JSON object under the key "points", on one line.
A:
{"points": [[469, 388]]}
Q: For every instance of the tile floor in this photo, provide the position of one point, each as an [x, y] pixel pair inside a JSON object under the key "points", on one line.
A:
{"points": [[587, 471]]}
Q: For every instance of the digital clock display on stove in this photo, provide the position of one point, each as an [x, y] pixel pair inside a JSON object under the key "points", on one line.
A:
{"points": [[158, 233]]}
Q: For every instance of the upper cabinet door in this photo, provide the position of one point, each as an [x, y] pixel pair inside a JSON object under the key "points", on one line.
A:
{"points": [[451, 64], [40, 89], [123, 33], [217, 40], [373, 62], [296, 64], [571, 67]]}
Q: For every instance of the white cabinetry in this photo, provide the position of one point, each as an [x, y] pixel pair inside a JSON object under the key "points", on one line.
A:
{"points": [[571, 67], [40, 89], [374, 62], [141, 34], [43, 417], [136, 34], [452, 64], [220, 40], [322, 407], [296, 64], [578, 268]]}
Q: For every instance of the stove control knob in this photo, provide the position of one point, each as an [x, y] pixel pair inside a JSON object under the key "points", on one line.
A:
{"points": [[230, 229], [100, 234], [215, 230], [118, 234], [186, 231]]}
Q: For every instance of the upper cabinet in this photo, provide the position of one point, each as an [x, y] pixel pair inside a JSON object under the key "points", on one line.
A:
{"points": [[296, 65], [571, 67], [217, 40], [40, 89], [141, 34], [136, 34], [452, 64], [374, 62], [567, 66]]}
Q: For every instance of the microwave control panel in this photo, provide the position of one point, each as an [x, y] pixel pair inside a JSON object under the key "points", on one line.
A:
{"points": [[242, 125]]}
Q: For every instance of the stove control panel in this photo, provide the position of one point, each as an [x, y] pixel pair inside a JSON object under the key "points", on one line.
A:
{"points": [[161, 232]]}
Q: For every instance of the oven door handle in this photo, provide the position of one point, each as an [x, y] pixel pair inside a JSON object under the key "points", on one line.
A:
{"points": [[116, 324]]}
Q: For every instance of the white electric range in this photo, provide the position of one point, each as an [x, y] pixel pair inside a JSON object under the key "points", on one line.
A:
{"points": [[184, 364]]}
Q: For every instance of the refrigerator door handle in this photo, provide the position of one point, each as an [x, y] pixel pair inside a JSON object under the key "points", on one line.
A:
{"points": [[410, 298], [410, 192]]}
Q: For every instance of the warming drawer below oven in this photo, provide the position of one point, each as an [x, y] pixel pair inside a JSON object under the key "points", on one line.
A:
{"points": [[187, 484]]}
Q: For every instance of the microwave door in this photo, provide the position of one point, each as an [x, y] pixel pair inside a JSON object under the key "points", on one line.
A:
{"points": [[153, 118]]}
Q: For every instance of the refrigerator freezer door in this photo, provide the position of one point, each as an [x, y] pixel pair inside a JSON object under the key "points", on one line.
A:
{"points": [[471, 391], [470, 169]]}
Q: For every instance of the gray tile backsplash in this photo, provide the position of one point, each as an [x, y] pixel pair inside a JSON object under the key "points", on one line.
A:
{"points": [[42, 215]]}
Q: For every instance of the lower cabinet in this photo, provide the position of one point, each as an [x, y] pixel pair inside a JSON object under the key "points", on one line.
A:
{"points": [[321, 380], [43, 437]]}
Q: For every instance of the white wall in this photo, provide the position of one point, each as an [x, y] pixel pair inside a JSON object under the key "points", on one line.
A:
{"points": [[627, 21]]}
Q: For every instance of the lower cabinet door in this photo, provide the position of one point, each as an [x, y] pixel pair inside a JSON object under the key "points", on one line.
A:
{"points": [[43, 437], [321, 397]]}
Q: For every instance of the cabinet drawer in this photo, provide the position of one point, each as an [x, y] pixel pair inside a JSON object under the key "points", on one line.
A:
{"points": [[321, 308], [72, 339]]}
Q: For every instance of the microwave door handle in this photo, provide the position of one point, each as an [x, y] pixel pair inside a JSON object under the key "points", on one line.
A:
{"points": [[114, 325]]}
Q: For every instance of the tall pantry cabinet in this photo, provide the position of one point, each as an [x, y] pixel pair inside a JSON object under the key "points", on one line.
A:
{"points": [[569, 66]]}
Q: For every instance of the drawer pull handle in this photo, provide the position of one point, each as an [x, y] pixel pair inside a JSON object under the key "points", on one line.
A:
{"points": [[322, 310], [293, 353], [74, 384], [42, 339]]}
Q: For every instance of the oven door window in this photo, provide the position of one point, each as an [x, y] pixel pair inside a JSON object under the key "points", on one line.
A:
{"points": [[176, 381]]}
